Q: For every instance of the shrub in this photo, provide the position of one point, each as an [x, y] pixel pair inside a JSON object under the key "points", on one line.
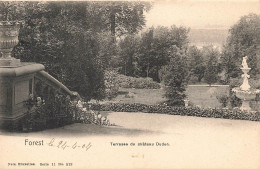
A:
{"points": [[234, 101], [223, 99], [58, 112], [55, 112], [183, 111], [175, 78], [111, 84], [138, 83]]}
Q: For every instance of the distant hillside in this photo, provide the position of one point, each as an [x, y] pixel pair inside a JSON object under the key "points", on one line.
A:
{"points": [[203, 37]]}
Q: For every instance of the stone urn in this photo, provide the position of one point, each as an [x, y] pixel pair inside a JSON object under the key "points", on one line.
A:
{"points": [[16, 78], [9, 31]]}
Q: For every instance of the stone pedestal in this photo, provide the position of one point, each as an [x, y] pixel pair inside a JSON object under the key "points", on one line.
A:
{"points": [[245, 105], [16, 84], [9, 62], [186, 102]]}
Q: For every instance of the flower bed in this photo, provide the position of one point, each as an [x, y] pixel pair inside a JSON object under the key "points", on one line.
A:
{"points": [[183, 111], [57, 112]]}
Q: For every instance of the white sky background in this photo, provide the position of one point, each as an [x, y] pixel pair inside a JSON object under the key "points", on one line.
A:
{"points": [[200, 14]]}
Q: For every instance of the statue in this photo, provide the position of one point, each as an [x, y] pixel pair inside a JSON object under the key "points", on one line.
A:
{"points": [[245, 86], [244, 63], [244, 92]]}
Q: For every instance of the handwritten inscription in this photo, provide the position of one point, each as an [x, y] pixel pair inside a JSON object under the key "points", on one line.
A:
{"points": [[61, 144]]}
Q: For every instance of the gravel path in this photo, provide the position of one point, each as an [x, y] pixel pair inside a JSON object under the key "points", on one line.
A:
{"points": [[182, 142]]}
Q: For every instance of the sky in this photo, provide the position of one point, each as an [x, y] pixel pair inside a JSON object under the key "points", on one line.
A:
{"points": [[221, 14]]}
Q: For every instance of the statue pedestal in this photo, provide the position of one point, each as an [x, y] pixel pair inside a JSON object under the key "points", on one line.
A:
{"points": [[9, 62], [16, 84], [245, 105]]}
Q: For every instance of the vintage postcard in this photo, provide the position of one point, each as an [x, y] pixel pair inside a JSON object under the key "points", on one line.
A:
{"points": [[130, 84]]}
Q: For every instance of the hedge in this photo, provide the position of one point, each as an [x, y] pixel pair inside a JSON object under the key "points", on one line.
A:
{"points": [[183, 111]]}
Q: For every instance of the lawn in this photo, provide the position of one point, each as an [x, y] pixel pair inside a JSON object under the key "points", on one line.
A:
{"points": [[202, 95], [205, 95], [143, 96]]}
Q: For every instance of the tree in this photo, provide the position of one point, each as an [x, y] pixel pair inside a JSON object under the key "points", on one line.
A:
{"points": [[145, 53], [243, 40], [212, 68], [229, 63], [196, 62], [175, 77], [12, 10], [120, 17], [56, 35], [155, 46], [128, 50], [164, 40], [107, 50]]}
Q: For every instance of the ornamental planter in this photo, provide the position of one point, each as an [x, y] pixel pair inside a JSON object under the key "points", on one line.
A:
{"points": [[16, 79], [9, 31]]}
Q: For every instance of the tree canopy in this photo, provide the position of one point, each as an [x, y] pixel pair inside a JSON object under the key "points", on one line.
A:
{"points": [[211, 56], [152, 49], [196, 62], [243, 40], [118, 17]]}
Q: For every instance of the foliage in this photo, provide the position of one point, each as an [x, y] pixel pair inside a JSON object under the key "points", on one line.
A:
{"points": [[155, 48], [144, 55], [56, 112], [138, 83], [53, 37], [111, 84], [74, 40], [196, 61], [118, 17], [229, 64], [128, 51], [212, 67], [223, 99], [175, 77], [60, 111], [107, 50], [183, 111], [12, 10], [234, 101], [85, 115], [243, 40]]}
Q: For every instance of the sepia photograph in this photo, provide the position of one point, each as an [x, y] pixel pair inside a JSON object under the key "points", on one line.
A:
{"points": [[130, 84]]}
